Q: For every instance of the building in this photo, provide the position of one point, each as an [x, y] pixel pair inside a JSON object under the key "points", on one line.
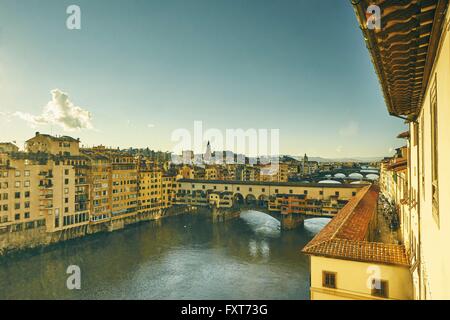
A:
{"points": [[7, 147], [309, 167], [214, 172], [168, 190], [275, 172], [100, 181], [349, 261], [187, 157], [53, 145], [412, 61], [220, 199]]}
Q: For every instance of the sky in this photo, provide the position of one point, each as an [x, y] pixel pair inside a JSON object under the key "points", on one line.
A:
{"points": [[138, 70]]}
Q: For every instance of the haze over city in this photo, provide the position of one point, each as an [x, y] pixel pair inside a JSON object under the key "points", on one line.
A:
{"points": [[297, 66]]}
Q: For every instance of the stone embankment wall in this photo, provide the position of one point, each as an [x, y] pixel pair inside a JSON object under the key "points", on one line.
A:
{"points": [[13, 241]]}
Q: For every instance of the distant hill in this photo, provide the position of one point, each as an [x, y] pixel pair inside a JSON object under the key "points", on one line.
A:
{"points": [[353, 159]]}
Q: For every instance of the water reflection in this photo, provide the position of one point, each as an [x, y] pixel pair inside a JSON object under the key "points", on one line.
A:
{"points": [[185, 257], [262, 224], [316, 224]]}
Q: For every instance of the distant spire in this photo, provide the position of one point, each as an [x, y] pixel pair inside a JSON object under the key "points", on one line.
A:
{"points": [[207, 156]]}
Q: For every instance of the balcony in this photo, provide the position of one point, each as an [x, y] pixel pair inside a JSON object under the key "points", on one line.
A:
{"points": [[46, 174]]}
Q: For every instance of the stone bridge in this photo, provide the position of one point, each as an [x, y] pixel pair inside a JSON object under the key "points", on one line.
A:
{"points": [[256, 195]]}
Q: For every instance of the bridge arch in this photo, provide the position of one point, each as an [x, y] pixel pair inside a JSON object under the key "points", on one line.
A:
{"points": [[263, 200], [238, 198], [250, 199]]}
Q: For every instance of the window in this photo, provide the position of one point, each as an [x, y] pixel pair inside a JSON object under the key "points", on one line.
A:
{"points": [[27, 173], [17, 216], [17, 173], [305, 192], [17, 195], [434, 152], [66, 181], [17, 184], [329, 279], [380, 288], [66, 172], [276, 191], [27, 215], [337, 193], [26, 183]]}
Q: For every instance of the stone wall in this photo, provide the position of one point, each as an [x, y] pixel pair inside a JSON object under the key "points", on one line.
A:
{"points": [[11, 241]]}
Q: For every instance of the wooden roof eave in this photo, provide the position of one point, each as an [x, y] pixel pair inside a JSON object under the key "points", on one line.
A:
{"points": [[404, 78]]}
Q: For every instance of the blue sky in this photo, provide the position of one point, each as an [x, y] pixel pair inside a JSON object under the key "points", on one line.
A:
{"points": [[144, 68]]}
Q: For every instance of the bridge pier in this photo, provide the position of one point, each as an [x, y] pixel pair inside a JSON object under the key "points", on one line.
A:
{"points": [[224, 214], [291, 221]]}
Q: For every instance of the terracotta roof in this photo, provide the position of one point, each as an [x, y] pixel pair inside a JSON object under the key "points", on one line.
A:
{"points": [[345, 236], [54, 138]]}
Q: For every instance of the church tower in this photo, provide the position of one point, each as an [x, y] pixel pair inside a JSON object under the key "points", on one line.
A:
{"points": [[207, 156]]}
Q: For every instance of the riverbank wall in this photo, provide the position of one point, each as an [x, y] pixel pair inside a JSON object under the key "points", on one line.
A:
{"points": [[12, 240]]}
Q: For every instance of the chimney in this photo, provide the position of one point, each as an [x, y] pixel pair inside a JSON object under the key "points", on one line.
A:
{"points": [[37, 133]]}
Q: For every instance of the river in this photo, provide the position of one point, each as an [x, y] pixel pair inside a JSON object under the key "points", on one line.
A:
{"points": [[183, 257]]}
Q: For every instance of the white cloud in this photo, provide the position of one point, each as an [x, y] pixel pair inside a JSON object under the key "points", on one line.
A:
{"points": [[60, 111], [350, 130], [4, 116], [150, 125]]}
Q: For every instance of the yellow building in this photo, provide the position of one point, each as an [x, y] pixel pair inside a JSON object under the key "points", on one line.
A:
{"points": [[150, 187], [53, 145], [214, 172], [43, 189], [274, 172], [7, 147], [169, 188], [350, 261], [124, 180], [99, 178], [414, 74]]}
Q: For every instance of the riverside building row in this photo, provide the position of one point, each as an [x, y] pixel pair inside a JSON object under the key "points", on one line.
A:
{"points": [[60, 186]]}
